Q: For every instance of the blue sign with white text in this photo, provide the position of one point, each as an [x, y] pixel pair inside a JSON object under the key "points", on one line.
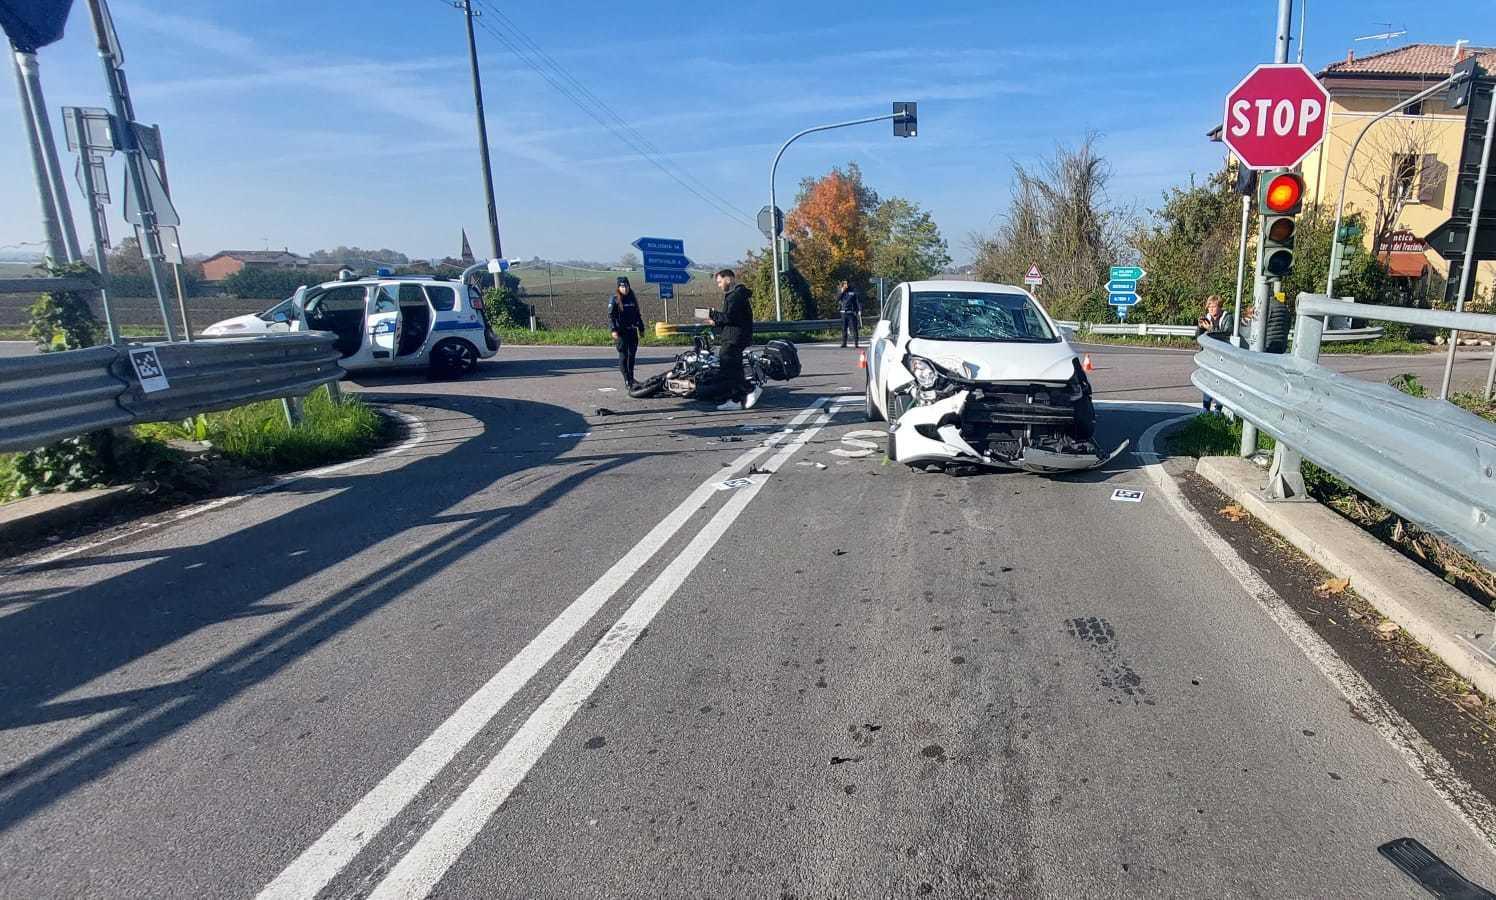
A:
{"points": [[660, 245], [1122, 299], [666, 276], [665, 261], [1122, 286], [667, 292]]}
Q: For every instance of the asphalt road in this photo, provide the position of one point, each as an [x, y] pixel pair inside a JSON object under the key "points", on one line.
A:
{"points": [[542, 650]]}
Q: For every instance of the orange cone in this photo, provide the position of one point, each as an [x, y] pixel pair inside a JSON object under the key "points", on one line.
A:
{"points": [[862, 359], [1086, 364]]}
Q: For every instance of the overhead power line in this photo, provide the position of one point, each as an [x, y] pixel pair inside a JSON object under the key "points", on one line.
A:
{"points": [[566, 84]]}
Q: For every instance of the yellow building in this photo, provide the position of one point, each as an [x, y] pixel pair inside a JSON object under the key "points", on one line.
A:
{"points": [[1402, 179]]}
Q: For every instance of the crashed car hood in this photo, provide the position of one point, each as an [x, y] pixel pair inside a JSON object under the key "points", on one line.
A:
{"points": [[986, 361]]}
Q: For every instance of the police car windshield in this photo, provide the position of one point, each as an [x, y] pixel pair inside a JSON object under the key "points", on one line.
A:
{"points": [[977, 316]]}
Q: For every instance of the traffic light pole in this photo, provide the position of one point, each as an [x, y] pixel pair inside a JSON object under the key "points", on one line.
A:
{"points": [[773, 206], [1470, 263], [1261, 291]]}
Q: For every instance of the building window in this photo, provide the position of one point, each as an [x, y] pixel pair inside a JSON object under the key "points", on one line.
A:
{"points": [[1413, 109], [1404, 176]]}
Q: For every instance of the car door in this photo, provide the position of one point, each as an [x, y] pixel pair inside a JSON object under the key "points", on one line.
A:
{"points": [[384, 323], [885, 342]]}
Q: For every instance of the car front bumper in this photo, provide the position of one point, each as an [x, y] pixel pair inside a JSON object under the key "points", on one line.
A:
{"points": [[938, 432]]}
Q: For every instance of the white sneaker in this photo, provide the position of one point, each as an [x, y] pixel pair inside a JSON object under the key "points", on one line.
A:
{"points": [[730, 406], [752, 400]]}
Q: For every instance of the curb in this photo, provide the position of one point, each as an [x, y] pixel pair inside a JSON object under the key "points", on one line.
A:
{"points": [[33, 517], [1430, 611]]}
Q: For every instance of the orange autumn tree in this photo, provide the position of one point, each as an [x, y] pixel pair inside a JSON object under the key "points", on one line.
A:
{"points": [[828, 229]]}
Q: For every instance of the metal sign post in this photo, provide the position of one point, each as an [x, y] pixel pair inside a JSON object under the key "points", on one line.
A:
{"points": [[140, 176], [93, 177]]}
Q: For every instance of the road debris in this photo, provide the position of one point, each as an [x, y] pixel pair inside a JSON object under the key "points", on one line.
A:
{"points": [[1388, 630], [1333, 586], [1234, 512]]}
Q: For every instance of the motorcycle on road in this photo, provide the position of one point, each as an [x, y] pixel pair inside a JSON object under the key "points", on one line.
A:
{"points": [[697, 373]]}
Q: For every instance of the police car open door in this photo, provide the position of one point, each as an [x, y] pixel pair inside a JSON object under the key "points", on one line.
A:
{"points": [[384, 323]]}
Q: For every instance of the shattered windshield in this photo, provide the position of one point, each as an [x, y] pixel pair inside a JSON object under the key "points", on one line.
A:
{"points": [[977, 316]]}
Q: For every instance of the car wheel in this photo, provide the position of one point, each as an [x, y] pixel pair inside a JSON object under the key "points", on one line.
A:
{"points": [[894, 405], [873, 413], [453, 358]]}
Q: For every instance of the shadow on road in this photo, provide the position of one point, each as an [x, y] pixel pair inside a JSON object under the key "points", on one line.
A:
{"points": [[65, 640]]}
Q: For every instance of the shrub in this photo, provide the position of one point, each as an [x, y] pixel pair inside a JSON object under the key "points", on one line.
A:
{"points": [[63, 320], [257, 283]]}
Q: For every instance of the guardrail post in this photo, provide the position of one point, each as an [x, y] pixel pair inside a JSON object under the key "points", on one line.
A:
{"points": [[335, 392], [293, 407], [1285, 480]]}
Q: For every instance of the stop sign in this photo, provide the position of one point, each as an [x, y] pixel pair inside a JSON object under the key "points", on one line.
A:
{"points": [[1275, 116]]}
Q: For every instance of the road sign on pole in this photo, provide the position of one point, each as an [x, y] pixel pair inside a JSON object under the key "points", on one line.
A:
{"points": [[1275, 116], [771, 227], [1122, 288], [666, 261], [1034, 277], [667, 291], [666, 276], [660, 245]]}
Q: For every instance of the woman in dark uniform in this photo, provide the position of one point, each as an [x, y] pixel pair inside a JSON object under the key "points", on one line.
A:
{"points": [[627, 325]]}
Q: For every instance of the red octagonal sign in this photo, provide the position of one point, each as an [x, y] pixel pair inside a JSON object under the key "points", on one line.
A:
{"points": [[1275, 116]]}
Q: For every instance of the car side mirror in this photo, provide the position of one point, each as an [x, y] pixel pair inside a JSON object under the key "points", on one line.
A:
{"points": [[282, 317]]}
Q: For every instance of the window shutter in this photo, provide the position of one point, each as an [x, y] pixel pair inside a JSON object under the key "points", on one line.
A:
{"points": [[1432, 177]]}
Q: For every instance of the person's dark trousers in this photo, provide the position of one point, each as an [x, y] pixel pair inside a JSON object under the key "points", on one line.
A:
{"points": [[851, 325], [1205, 401], [628, 348], [730, 358]]}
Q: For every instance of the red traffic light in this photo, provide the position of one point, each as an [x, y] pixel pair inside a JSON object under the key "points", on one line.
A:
{"points": [[1284, 193]]}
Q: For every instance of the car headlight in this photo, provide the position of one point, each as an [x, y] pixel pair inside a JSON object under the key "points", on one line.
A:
{"points": [[924, 372]]}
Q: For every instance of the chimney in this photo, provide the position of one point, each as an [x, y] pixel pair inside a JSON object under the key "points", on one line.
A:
{"points": [[1350, 56]]}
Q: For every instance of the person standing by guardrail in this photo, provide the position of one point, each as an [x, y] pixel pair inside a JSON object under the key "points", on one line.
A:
{"points": [[850, 304], [627, 325], [1216, 324], [736, 322]]}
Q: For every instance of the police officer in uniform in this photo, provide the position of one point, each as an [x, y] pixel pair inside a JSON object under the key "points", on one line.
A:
{"points": [[627, 325]]}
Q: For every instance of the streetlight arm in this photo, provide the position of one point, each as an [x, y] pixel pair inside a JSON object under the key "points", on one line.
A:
{"points": [[1340, 204], [774, 199]]}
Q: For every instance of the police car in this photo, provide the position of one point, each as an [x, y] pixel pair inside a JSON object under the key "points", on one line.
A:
{"points": [[389, 322]]}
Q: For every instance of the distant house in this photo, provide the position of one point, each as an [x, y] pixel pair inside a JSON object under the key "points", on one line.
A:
{"points": [[226, 262]]}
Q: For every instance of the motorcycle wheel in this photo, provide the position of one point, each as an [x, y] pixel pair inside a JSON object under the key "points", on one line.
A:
{"points": [[647, 388]]}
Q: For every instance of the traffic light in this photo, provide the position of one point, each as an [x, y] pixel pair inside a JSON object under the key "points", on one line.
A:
{"points": [[1459, 92], [1279, 196], [905, 120]]}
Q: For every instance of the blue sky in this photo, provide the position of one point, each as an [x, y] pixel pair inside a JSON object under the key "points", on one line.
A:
{"points": [[310, 125]]}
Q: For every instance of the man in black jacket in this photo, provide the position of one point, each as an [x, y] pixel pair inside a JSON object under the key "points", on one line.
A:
{"points": [[850, 304], [736, 322]]}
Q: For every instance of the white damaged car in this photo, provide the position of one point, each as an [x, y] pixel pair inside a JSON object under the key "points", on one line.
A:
{"points": [[974, 374]]}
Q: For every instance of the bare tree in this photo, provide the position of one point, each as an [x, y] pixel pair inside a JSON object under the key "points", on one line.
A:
{"points": [[1062, 219], [1397, 166]]}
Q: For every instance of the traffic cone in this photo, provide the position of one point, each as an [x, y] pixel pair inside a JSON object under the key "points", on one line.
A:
{"points": [[862, 359], [1086, 364]]}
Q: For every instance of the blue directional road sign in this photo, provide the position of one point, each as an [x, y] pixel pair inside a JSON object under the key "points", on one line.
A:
{"points": [[1128, 299], [666, 276], [667, 292], [1121, 286], [666, 261], [660, 245], [1127, 273]]}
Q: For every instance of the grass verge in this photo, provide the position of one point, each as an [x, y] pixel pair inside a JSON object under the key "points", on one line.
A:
{"points": [[257, 435], [1213, 435], [1137, 340]]}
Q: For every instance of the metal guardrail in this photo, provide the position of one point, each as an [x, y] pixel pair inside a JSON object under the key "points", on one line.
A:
{"points": [[51, 396], [1428, 461], [803, 326]]}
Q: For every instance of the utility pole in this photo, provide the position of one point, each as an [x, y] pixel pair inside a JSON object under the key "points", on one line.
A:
{"points": [[1261, 288], [44, 150], [56, 249], [493, 211]]}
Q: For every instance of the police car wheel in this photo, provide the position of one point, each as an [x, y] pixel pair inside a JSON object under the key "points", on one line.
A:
{"points": [[453, 357]]}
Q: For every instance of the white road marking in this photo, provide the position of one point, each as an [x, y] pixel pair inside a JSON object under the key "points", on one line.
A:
{"points": [[320, 863], [858, 441], [418, 434], [418, 873], [1470, 805]]}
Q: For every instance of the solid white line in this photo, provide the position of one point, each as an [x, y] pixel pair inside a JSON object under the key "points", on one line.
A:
{"points": [[320, 863], [417, 874], [1470, 805], [418, 433]]}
